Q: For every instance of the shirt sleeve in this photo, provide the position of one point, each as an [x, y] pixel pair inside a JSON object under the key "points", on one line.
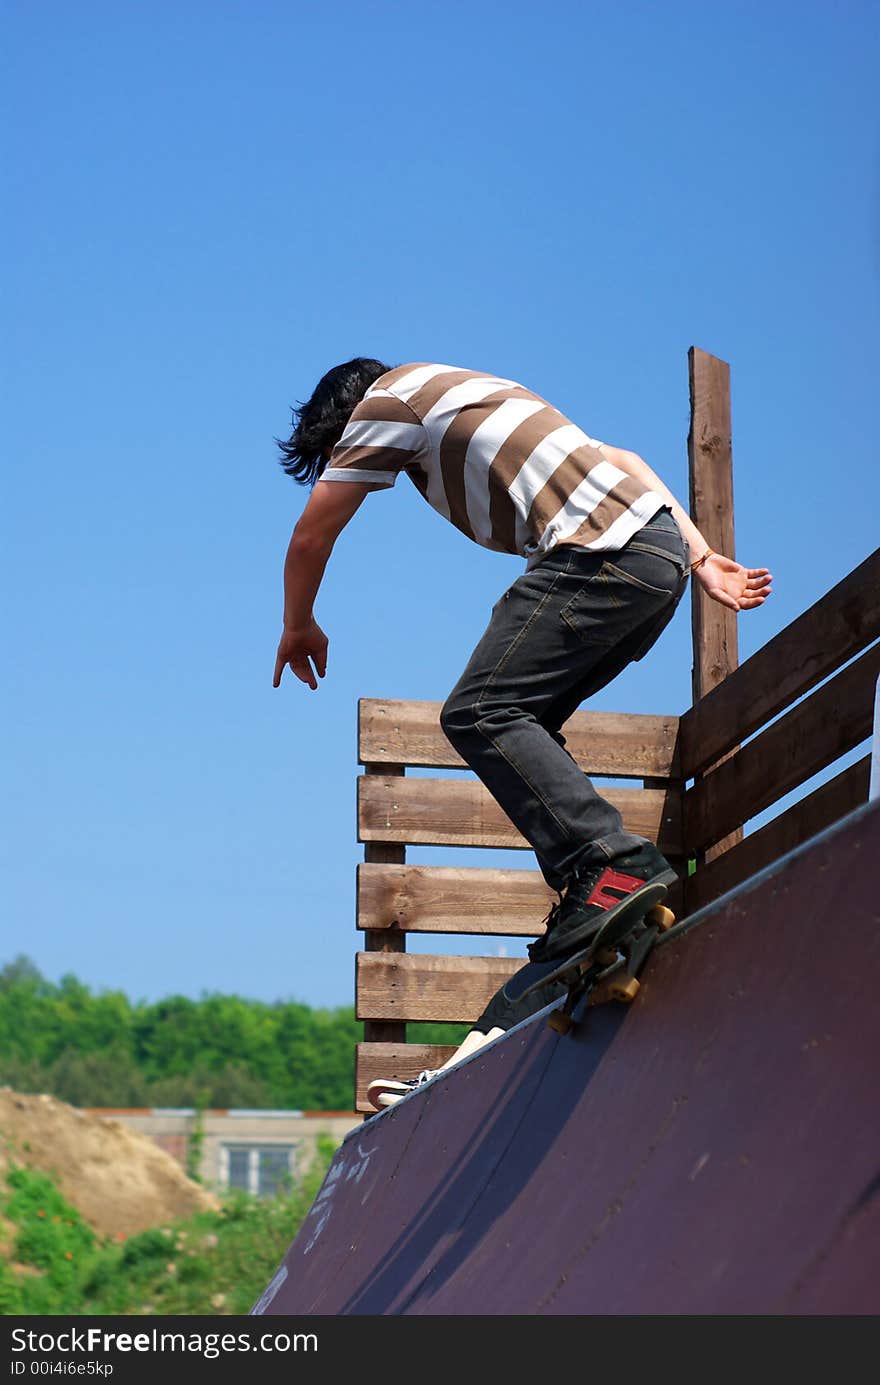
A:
{"points": [[380, 440]]}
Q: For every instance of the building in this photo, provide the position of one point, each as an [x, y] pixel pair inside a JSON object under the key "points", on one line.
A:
{"points": [[257, 1151]]}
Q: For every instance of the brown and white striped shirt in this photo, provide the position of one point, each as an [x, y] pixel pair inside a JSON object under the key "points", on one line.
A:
{"points": [[501, 463]]}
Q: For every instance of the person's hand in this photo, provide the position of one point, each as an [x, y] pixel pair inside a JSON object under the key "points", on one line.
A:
{"points": [[297, 648], [740, 588]]}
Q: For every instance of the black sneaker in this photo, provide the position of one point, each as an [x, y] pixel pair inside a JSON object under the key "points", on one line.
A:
{"points": [[594, 890]]}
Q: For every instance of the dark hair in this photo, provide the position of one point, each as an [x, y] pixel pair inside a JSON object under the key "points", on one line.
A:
{"points": [[318, 424]]}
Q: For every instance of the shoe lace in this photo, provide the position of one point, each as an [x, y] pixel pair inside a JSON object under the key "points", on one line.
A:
{"points": [[553, 914]]}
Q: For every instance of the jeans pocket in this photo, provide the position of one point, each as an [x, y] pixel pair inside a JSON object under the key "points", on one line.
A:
{"points": [[651, 556], [647, 572], [611, 605]]}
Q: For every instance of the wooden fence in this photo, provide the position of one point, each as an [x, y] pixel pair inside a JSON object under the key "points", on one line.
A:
{"points": [[696, 780]]}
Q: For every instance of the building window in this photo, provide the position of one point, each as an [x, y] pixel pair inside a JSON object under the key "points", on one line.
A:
{"points": [[260, 1169], [273, 1169], [238, 1173]]}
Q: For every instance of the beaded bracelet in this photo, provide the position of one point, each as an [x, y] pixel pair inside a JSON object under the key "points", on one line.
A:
{"points": [[709, 553]]}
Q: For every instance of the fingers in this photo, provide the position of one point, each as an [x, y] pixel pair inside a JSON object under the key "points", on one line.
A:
{"points": [[299, 663], [750, 600], [755, 589], [303, 670], [756, 592], [724, 598]]}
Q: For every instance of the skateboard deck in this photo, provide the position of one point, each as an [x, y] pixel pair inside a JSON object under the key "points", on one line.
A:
{"points": [[608, 968]]}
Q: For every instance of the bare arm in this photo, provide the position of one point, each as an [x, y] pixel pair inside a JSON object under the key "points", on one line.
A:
{"points": [[634, 465], [722, 578], [328, 509]]}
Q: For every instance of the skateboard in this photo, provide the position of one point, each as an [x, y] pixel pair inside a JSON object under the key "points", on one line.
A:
{"points": [[396, 1087], [608, 968]]}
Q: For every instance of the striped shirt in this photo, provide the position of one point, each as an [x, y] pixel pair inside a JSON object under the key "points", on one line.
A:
{"points": [[502, 464]]}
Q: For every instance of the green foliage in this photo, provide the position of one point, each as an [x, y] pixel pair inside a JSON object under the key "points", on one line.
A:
{"points": [[195, 1144], [219, 1051], [51, 1238], [436, 1033], [213, 1263]]}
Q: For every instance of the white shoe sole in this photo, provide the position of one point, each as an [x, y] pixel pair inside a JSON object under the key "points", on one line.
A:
{"points": [[386, 1091]]}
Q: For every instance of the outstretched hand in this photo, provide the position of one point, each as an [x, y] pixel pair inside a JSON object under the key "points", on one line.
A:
{"points": [[300, 649], [740, 588]]}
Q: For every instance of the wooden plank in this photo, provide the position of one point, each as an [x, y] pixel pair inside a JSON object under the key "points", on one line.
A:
{"points": [[453, 899], [711, 507], [839, 625], [825, 805], [812, 735], [402, 1061], [389, 939], [461, 812], [410, 987], [621, 745]]}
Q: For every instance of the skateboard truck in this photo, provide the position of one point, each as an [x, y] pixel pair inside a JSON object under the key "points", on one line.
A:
{"points": [[612, 973]]}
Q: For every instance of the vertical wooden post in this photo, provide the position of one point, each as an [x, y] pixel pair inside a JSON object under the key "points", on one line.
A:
{"points": [[711, 500], [710, 464], [385, 939]]}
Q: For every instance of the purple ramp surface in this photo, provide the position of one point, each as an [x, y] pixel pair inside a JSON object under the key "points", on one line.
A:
{"points": [[714, 1149]]}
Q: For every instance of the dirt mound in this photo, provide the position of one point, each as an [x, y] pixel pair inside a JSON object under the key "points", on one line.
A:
{"points": [[116, 1178]]}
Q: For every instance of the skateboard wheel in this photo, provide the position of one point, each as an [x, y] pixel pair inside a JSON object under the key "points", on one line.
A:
{"points": [[660, 917], [559, 1021], [625, 989], [601, 994], [606, 957]]}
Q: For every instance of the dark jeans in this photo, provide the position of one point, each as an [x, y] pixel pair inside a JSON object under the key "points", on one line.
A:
{"points": [[562, 631]]}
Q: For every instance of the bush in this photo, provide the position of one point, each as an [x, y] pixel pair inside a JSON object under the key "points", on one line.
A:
{"points": [[212, 1263], [52, 1235]]}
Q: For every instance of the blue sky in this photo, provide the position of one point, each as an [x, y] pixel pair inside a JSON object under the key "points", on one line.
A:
{"points": [[212, 203]]}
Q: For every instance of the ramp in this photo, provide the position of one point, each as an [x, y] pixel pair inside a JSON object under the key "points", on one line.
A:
{"points": [[712, 1150]]}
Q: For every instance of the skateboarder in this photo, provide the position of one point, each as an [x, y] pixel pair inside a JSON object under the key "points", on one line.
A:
{"points": [[608, 552]]}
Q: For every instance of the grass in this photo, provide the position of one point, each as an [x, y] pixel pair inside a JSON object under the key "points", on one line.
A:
{"points": [[214, 1263]]}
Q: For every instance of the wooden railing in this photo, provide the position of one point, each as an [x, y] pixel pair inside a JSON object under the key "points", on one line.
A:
{"points": [[698, 780], [809, 737]]}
